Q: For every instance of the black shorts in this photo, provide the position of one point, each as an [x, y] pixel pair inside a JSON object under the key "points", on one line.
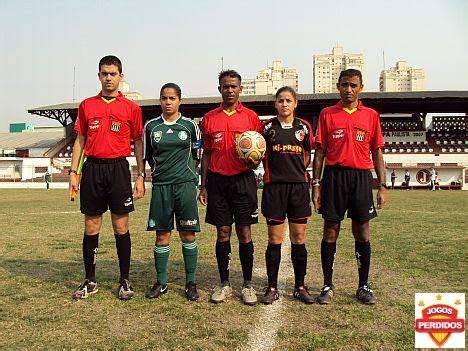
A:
{"points": [[281, 199], [232, 199], [105, 184], [346, 189]]}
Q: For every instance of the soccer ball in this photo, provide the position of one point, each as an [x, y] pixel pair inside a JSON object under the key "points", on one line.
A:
{"points": [[251, 144]]}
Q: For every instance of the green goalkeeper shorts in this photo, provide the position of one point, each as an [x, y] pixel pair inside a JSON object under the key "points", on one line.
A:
{"points": [[179, 200]]}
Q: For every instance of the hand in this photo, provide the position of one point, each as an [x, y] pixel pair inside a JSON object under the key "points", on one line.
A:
{"points": [[316, 197], [139, 189], [381, 197], [203, 196], [252, 163], [73, 186]]}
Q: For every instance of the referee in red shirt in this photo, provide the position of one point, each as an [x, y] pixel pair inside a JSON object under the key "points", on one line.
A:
{"points": [[105, 125], [228, 184], [347, 134]]}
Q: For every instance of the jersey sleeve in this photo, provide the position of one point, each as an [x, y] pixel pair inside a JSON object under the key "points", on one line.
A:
{"points": [[322, 133], [377, 137], [206, 137], [137, 123], [197, 141], [81, 124]]}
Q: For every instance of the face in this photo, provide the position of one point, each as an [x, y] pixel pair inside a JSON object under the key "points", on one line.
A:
{"points": [[110, 78], [230, 88], [350, 88], [170, 101], [285, 104]]}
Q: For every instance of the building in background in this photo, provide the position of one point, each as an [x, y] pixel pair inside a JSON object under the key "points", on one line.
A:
{"points": [[327, 68], [269, 80], [124, 87], [402, 77]]}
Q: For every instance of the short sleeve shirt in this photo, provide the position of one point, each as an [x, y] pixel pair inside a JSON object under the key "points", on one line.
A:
{"points": [[220, 129], [348, 137], [109, 126]]}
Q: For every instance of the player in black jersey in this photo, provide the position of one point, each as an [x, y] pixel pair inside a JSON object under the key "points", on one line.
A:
{"points": [[286, 191]]}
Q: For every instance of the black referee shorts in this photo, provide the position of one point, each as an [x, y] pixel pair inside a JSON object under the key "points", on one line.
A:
{"points": [[232, 199], [105, 184], [347, 189], [291, 199]]}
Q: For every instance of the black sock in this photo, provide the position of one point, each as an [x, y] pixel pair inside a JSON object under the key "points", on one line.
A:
{"points": [[363, 255], [124, 251], [246, 255], [273, 259], [327, 253], [223, 257], [299, 261], [90, 249]]}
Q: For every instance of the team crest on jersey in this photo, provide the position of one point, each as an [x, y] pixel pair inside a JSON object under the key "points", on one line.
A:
{"points": [[182, 135], [360, 134], [115, 125], [300, 134], [157, 136]]}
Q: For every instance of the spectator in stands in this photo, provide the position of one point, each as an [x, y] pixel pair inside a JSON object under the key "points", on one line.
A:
{"points": [[393, 177], [106, 124], [47, 179], [433, 178], [407, 179]]}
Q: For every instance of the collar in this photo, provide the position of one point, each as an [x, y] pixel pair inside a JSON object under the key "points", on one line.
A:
{"points": [[339, 105], [118, 97], [239, 107], [171, 123]]}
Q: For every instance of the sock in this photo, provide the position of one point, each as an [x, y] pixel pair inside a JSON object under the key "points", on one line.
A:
{"points": [[246, 255], [273, 259], [363, 255], [299, 261], [223, 257], [328, 254], [124, 251], [190, 252], [90, 250], [161, 257]]}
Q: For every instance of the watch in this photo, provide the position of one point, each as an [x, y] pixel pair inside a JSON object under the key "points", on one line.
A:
{"points": [[142, 174], [315, 182], [70, 171]]}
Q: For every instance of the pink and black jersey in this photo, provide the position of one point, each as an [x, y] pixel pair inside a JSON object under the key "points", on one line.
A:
{"points": [[286, 149]]}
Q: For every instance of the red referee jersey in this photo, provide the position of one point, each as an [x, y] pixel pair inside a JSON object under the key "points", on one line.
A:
{"points": [[220, 130], [347, 137], [109, 126]]}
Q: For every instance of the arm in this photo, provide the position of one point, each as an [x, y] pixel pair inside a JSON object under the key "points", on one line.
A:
{"points": [[139, 189], [379, 167], [205, 162], [317, 172], [78, 148]]}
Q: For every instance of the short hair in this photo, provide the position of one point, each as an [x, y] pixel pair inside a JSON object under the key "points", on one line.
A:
{"points": [[172, 86], [350, 73], [110, 60], [229, 73], [288, 90]]}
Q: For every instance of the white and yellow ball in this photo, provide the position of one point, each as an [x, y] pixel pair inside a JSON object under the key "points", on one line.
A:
{"points": [[251, 144]]}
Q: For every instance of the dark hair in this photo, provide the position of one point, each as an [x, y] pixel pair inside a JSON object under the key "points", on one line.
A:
{"points": [[229, 73], [110, 60], [171, 86], [286, 89], [350, 73]]}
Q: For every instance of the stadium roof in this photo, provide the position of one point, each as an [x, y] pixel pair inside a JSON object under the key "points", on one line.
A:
{"points": [[30, 140], [309, 104]]}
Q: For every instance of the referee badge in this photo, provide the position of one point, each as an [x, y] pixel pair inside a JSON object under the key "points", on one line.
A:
{"points": [[157, 136], [115, 125], [360, 134]]}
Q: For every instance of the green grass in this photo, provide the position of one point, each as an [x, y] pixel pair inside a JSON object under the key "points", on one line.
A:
{"points": [[419, 245]]}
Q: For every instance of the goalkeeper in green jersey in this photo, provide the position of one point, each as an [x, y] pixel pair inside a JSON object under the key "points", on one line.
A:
{"points": [[171, 147]]}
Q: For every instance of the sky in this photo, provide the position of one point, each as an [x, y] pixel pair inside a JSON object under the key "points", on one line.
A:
{"points": [[182, 41]]}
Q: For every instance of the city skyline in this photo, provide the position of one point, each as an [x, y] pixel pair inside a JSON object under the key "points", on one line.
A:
{"points": [[43, 42]]}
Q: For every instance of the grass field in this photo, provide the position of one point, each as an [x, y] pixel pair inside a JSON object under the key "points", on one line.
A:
{"points": [[419, 245]]}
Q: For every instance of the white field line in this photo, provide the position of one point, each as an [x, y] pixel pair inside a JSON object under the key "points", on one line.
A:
{"points": [[263, 337], [39, 213]]}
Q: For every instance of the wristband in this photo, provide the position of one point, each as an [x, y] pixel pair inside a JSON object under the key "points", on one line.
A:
{"points": [[315, 182]]}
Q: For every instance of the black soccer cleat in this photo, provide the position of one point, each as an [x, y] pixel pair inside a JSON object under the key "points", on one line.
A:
{"points": [[85, 289], [302, 294], [156, 291], [191, 291], [125, 290], [365, 294], [270, 296], [326, 294]]}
